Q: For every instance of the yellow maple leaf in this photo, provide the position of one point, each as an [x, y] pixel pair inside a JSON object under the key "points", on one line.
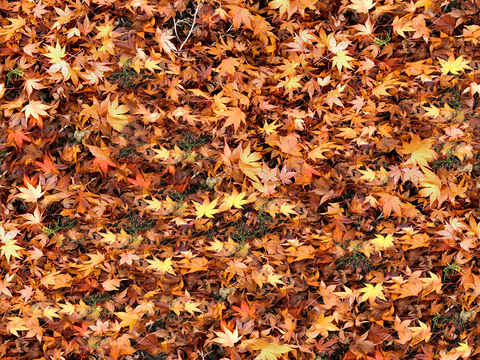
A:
{"points": [[16, 324], [453, 65], [420, 151], [341, 60], [248, 164], [431, 184], [368, 175], [55, 53], [10, 250], [216, 245], [116, 115], [282, 5], [269, 129], [50, 313], [161, 266], [324, 324], [162, 153], [372, 292], [420, 333], [382, 242], [233, 200], [152, 65], [287, 209], [273, 351], [154, 204], [463, 350], [206, 209], [108, 237], [129, 318], [67, 308], [192, 307], [274, 279]]}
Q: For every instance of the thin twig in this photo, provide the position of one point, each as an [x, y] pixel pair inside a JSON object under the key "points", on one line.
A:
{"points": [[191, 28]]}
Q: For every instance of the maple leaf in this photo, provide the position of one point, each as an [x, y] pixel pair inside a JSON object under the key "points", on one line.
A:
{"points": [[35, 218], [381, 243], [128, 258], [94, 262], [116, 115], [101, 158], [322, 326], [36, 109], [269, 129], [129, 318], [228, 66], [31, 84], [282, 5], [108, 237], [431, 184], [453, 65], [11, 234], [240, 15], [372, 292], [192, 307], [227, 338], [50, 313], [431, 284], [287, 209], [420, 150], [235, 117], [245, 311], [248, 164], [100, 328], [5, 284], [341, 60], [464, 350], [421, 333], [362, 6], [55, 53], [274, 279], [18, 136], [206, 209], [10, 250], [111, 284], [233, 200], [30, 193], [15, 26], [16, 324], [161, 266], [154, 204], [273, 351], [163, 39], [391, 202], [152, 65], [67, 308]]}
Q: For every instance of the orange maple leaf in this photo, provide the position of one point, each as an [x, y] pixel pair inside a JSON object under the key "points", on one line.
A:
{"points": [[101, 158], [228, 66], [240, 15], [390, 203], [235, 117]]}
